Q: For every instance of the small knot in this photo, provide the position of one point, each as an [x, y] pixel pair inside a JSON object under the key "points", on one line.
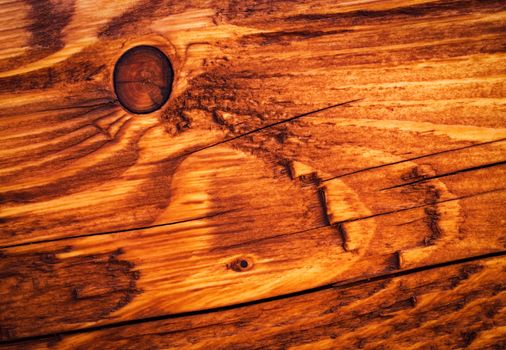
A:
{"points": [[241, 264]]}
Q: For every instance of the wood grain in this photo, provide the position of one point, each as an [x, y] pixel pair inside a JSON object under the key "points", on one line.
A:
{"points": [[304, 144], [430, 76], [454, 307], [196, 264]]}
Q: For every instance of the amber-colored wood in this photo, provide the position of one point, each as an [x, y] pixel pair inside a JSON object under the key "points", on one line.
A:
{"points": [[303, 144], [195, 265], [73, 161], [453, 307]]}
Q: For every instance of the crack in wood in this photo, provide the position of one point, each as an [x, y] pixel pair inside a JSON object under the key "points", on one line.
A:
{"points": [[271, 125], [427, 178], [415, 158], [208, 216]]}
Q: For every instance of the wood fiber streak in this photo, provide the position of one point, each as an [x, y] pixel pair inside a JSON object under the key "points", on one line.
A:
{"points": [[304, 144], [460, 306]]}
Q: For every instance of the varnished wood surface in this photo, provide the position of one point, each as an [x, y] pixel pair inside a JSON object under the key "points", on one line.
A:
{"points": [[453, 307], [429, 76], [304, 144], [193, 265]]}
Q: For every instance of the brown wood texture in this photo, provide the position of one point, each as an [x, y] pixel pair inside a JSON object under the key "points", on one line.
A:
{"points": [[193, 265], [304, 144], [460, 306]]}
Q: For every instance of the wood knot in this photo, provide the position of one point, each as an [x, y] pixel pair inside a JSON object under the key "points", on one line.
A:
{"points": [[143, 79], [241, 264]]}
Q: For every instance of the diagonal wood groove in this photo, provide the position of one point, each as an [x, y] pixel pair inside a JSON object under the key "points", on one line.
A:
{"points": [[288, 120], [484, 166], [211, 215], [262, 128], [414, 158], [422, 205]]}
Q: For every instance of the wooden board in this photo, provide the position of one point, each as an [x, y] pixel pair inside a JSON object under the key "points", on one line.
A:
{"points": [[458, 306], [304, 144]]}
